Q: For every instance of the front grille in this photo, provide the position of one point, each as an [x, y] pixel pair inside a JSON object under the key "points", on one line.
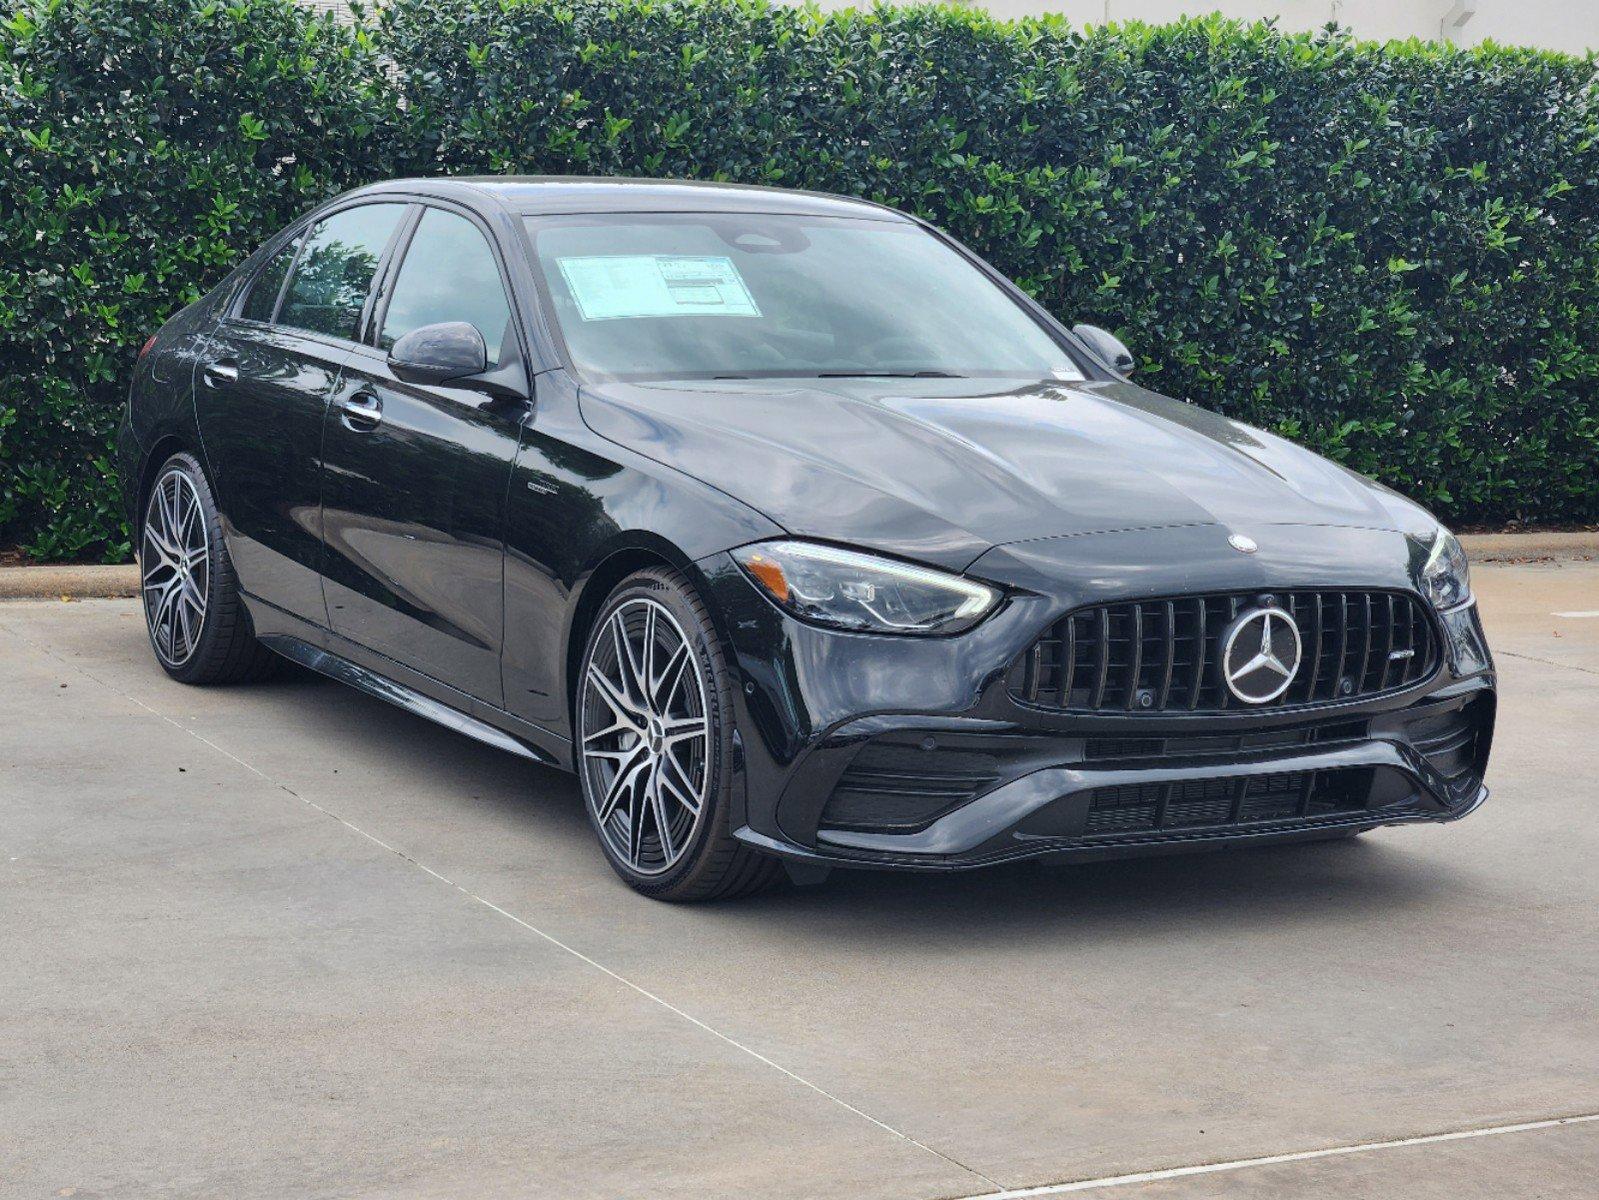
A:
{"points": [[896, 787], [1218, 803], [1163, 656]]}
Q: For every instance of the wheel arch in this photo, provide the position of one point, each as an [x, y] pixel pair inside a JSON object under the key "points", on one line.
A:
{"points": [[162, 449], [623, 556]]}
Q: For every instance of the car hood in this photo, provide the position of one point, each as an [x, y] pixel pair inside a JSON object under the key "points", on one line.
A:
{"points": [[942, 470]]}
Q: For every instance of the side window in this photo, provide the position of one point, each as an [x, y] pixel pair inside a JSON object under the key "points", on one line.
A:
{"points": [[263, 297], [449, 274], [335, 270]]}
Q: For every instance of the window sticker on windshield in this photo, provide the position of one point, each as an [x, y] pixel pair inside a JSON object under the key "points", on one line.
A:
{"points": [[612, 286]]}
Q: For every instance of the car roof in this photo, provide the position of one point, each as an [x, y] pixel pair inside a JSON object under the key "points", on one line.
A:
{"points": [[531, 195]]}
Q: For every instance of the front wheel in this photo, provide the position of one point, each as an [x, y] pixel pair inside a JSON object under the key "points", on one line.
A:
{"points": [[655, 726]]}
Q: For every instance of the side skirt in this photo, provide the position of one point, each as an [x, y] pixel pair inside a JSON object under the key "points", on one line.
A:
{"points": [[339, 659]]}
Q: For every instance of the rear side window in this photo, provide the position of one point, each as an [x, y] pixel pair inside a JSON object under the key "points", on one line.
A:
{"points": [[335, 270], [263, 297], [449, 274]]}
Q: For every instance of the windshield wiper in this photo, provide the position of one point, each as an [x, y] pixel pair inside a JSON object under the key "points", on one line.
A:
{"points": [[888, 375]]}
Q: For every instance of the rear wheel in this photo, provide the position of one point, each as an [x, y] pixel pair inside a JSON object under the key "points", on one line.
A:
{"points": [[198, 625], [655, 727]]}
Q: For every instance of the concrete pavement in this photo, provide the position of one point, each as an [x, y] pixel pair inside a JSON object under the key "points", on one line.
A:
{"points": [[286, 940]]}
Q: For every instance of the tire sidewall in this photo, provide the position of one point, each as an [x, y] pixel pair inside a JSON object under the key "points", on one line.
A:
{"points": [[675, 594]]}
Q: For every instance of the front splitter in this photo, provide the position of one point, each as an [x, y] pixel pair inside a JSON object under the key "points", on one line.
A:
{"points": [[1100, 848]]}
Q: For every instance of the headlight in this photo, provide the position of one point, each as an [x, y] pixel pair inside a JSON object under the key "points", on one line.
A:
{"points": [[1446, 578], [848, 590]]}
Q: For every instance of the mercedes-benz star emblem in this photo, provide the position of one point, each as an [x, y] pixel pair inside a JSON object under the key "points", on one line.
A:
{"points": [[1260, 655], [1242, 544]]}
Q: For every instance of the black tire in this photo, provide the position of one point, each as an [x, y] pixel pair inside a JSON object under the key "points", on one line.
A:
{"points": [[224, 648], [714, 865]]}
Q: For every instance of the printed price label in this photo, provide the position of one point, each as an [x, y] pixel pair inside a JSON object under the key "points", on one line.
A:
{"points": [[613, 287]]}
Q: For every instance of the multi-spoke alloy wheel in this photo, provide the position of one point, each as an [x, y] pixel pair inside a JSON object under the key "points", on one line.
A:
{"points": [[175, 562], [646, 753], [199, 625]]}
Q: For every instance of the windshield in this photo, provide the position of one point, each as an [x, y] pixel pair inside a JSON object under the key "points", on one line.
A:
{"points": [[747, 296]]}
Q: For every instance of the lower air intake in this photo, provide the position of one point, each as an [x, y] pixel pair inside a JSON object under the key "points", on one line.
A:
{"points": [[898, 787], [1220, 803]]}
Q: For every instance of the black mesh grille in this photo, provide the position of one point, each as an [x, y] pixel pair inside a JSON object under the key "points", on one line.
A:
{"points": [[1210, 803], [1161, 656]]}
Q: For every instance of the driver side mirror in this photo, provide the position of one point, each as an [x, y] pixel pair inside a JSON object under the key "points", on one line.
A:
{"points": [[1108, 346], [442, 353]]}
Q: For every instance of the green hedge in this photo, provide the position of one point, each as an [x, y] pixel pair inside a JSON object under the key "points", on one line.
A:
{"points": [[150, 145], [1389, 253]]}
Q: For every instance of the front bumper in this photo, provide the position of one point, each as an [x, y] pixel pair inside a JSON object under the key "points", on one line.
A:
{"points": [[911, 753]]}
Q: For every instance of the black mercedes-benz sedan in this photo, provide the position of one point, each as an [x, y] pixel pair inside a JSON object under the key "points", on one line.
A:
{"points": [[794, 529]]}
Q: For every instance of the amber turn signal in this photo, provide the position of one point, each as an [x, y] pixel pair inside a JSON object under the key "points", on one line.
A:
{"points": [[770, 576]]}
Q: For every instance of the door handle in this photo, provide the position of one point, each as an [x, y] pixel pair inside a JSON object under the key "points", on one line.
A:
{"points": [[362, 412], [223, 370]]}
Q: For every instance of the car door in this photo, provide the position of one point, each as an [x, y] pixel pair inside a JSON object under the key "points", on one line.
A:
{"points": [[262, 387], [415, 475]]}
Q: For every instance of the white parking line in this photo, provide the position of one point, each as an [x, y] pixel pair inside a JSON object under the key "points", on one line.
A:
{"points": [[1110, 1181], [1592, 612]]}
